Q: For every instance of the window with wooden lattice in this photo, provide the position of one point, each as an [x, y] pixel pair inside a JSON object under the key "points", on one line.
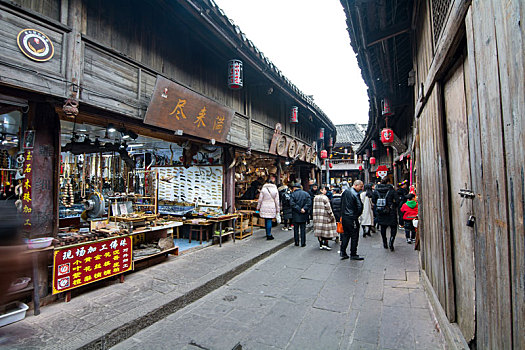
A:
{"points": [[439, 16]]}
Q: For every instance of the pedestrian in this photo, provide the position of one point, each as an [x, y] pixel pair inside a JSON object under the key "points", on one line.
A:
{"points": [[284, 196], [335, 202], [385, 200], [367, 218], [253, 191], [324, 220], [410, 211], [402, 192], [351, 209], [344, 186], [301, 204], [330, 193], [268, 205]]}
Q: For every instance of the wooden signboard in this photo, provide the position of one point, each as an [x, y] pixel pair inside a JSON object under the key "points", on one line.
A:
{"points": [[176, 107], [82, 264]]}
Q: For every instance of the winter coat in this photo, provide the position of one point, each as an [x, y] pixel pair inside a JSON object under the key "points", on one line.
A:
{"points": [[336, 206], [323, 218], [367, 218], [268, 204], [383, 190], [351, 205], [286, 207], [409, 210], [300, 200]]}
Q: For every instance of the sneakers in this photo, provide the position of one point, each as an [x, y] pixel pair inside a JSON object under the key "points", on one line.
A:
{"points": [[269, 238], [409, 241], [285, 229], [413, 240], [327, 247]]}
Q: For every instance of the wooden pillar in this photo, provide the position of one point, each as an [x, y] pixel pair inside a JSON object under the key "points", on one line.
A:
{"points": [[229, 181]]}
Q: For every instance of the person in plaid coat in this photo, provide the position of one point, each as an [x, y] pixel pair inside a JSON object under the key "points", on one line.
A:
{"points": [[324, 220]]}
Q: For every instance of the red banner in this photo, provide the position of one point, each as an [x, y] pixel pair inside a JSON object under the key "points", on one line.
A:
{"points": [[82, 264]]}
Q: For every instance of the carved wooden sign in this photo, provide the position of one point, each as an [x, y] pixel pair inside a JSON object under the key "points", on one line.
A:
{"points": [[398, 145], [175, 107], [286, 146]]}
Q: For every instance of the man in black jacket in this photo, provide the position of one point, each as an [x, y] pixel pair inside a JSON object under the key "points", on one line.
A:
{"points": [[385, 201], [351, 209], [301, 204]]}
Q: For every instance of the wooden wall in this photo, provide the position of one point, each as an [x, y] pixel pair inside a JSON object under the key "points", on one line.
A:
{"points": [[492, 35]]}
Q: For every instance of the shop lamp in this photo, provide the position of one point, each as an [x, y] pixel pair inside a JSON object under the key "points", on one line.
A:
{"points": [[235, 74], [111, 128], [387, 136], [324, 154], [294, 116], [373, 160], [360, 168], [321, 134]]}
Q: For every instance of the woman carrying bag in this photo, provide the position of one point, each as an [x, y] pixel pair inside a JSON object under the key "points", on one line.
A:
{"points": [[268, 205], [324, 219]]}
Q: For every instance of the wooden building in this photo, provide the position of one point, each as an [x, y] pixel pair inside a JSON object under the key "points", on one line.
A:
{"points": [[454, 72], [109, 63]]}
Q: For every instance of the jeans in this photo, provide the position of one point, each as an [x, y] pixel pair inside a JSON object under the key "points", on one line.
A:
{"points": [[268, 226], [296, 227], [350, 235], [393, 231], [410, 230]]}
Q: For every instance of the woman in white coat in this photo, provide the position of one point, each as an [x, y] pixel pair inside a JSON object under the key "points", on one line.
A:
{"points": [[268, 205], [367, 218]]}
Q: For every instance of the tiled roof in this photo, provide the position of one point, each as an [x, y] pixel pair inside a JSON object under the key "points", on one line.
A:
{"points": [[350, 133]]}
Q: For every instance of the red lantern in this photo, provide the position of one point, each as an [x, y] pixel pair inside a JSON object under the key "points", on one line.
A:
{"points": [[235, 75], [372, 160], [324, 154], [330, 141], [360, 168], [374, 145], [294, 117], [330, 165], [387, 136], [321, 134], [385, 106]]}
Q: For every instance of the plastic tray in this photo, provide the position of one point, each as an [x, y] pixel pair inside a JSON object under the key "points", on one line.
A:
{"points": [[18, 314]]}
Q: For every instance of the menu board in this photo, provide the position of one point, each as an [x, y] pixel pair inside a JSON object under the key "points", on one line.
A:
{"points": [[90, 262], [201, 185]]}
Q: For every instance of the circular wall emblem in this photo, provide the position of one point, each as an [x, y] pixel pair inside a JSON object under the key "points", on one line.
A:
{"points": [[35, 45], [292, 149]]}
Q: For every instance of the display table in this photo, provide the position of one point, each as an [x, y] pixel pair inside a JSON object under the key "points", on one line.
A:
{"points": [[220, 220], [244, 226], [199, 227]]}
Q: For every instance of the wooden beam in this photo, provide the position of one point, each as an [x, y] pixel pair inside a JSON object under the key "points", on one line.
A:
{"points": [[390, 32]]}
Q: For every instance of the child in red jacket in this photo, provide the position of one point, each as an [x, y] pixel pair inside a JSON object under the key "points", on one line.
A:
{"points": [[409, 210]]}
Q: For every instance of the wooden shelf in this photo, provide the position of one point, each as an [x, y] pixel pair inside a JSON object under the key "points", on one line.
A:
{"points": [[174, 250], [24, 290]]}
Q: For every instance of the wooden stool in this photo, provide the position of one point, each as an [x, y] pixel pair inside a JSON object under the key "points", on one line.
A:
{"points": [[199, 228]]}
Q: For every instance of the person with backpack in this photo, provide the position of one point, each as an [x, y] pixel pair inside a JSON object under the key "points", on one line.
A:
{"points": [[286, 207], [409, 210], [402, 193], [385, 201]]}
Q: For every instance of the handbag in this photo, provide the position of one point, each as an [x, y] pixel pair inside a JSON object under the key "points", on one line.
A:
{"points": [[278, 218], [340, 226]]}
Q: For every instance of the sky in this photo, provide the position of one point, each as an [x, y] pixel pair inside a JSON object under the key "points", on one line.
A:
{"points": [[308, 41]]}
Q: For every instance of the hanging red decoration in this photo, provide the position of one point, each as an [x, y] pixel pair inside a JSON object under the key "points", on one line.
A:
{"points": [[331, 142], [360, 168], [294, 117], [330, 165], [235, 75], [373, 160], [324, 154], [385, 107], [321, 134], [387, 136], [374, 145]]}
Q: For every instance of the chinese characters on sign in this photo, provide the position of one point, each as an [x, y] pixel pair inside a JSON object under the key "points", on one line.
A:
{"points": [[175, 107], [90, 262], [27, 207]]}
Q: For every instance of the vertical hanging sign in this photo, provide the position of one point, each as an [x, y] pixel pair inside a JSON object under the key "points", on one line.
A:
{"points": [[27, 180]]}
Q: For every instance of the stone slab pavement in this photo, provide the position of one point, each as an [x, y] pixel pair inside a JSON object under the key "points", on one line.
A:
{"points": [[306, 298], [104, 316]]}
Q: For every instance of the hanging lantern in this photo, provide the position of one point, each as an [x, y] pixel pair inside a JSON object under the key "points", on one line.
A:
{"points": [[330, 165], [235, 75], [331, 142], [294, 116], [374, 145], [324, 154], [387, 136], [360, 168], [385, 107], [373, 160], [321, 134]]}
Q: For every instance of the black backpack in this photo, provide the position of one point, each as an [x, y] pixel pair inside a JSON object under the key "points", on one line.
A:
{"points": [[286, 198], [382, 206]]}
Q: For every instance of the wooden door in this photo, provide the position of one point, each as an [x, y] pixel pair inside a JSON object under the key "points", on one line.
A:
{"points": [[457, 107]]}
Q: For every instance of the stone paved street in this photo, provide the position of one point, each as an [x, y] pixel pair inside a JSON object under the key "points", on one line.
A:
{"points": [[305, 298]]}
